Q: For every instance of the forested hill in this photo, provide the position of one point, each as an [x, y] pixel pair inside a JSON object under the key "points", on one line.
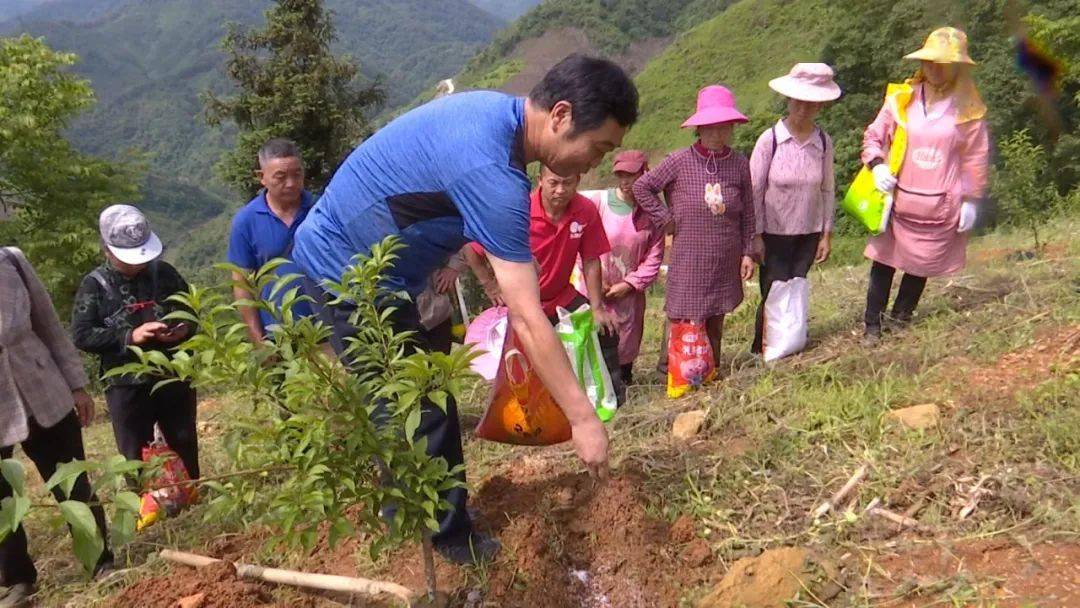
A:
{"points": [[674, 47], [505, 9], [148, 60]]}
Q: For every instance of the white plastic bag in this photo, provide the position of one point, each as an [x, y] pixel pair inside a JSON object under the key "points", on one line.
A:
{"points": [[786, 318]]}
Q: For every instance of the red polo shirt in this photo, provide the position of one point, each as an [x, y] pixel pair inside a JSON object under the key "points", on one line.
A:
{"points": [[556, 246]]}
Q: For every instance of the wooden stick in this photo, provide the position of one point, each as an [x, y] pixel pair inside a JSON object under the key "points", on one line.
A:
{"points": [[324, 582], [895, 517], [855, 479], [187, 559], [461, 301]]}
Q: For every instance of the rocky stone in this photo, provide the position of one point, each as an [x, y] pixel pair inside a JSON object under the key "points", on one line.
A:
{"points": [[688, 425]]}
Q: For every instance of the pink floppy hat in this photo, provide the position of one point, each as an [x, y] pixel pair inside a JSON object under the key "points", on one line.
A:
{"points": [[715, 105], [807, 82]]}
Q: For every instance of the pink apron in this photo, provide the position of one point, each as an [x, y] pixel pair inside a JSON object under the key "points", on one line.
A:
{"points": [[921, 238], [637, 250]]}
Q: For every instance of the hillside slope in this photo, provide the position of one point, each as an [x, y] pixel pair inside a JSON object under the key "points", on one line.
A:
{"points": [[744, 44], [754, 41], [605, 27], [742, 48], [14, 8], [149, 61], [505, 9]]}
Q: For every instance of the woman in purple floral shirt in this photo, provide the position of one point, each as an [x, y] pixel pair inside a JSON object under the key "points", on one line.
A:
{"points": [[710, 212]]}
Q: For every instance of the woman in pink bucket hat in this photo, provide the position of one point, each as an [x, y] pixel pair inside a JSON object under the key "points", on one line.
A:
{"points": [[794, 183], [710, 212]]}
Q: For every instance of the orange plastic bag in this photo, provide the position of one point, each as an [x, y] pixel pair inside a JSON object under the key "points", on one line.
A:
{"points": [[165, 498], [521, 410], [690, 358]]}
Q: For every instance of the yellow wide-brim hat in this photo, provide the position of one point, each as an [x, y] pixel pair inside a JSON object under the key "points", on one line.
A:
{"points": [[944, 45]]}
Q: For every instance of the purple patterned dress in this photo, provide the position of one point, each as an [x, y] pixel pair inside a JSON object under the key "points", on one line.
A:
{"points": [[711, 201]]}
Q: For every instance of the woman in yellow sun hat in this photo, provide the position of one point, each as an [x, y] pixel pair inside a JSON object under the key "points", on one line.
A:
{"points": [[942, 177]]}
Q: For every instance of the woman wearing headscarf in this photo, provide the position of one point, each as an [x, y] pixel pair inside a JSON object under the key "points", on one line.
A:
{"points": [[43, 407], [794, 183], [710, 211], [941, 179]]}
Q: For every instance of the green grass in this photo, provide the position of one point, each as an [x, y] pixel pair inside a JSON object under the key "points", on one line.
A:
{"points": [[781, 438], [740, 48]]}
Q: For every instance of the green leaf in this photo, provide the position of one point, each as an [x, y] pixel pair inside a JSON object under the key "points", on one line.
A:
{"points": [[411, 424], [342, 528], [128, 501], [65, 476], [15, 475], [122, 527], [439, 399], [88, 543], [14, 509]]}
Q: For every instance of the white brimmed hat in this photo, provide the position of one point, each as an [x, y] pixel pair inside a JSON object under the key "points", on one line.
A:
{"points": [[807, 82], [127, 234]]}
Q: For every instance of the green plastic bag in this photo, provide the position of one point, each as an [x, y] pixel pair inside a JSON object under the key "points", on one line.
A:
{"points": [[863, 201], [577, 331], [866, 203]]}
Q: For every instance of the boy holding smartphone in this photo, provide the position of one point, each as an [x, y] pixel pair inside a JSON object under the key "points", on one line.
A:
{"points": [[120, 304]]}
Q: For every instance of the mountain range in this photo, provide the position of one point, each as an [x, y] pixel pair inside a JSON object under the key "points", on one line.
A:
{"points": [[148, 60]]}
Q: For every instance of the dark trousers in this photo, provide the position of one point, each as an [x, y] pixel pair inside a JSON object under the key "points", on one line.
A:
{"points": [[609, 348], [135, 409], [47, 448], [786, 257], [877, 294], [442, 429], [662, 360], [627, 374]]}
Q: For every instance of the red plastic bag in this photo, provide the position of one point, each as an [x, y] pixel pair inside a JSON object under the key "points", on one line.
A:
{"points": [[690, 357], [168, 495], [521, 410]]}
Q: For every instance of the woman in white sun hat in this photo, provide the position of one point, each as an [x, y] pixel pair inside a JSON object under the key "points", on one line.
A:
{"points": [[794, 184]]}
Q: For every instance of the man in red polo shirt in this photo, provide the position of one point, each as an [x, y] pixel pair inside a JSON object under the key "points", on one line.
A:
{"points": [[562, 226]]}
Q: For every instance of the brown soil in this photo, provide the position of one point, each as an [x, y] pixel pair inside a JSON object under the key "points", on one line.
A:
{"points": [[773, 579], [1053, 251], [964, 297], [1047, 575], [217, 583], [569, 542], [1024, 369], [540, 54]]}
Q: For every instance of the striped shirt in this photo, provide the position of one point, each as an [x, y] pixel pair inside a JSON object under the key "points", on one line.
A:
{"points": [[795, 188]]}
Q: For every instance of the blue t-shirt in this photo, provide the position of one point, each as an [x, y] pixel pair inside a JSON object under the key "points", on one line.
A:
{"points": [[444, 174], [259, 236]]}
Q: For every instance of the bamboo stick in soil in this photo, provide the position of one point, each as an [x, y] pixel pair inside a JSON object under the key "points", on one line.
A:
{"points": [[322, 582]]}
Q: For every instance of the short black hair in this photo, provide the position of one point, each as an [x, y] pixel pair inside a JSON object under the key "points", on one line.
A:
{"points": [[279, 147], [598, 89]]}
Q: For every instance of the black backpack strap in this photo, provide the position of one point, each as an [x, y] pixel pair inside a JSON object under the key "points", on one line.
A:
{"points": [[103, 282], [14, 259], [768, 169], [824, 168]]}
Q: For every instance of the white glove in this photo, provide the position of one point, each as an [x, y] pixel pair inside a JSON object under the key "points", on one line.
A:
{"points": [[967, 217], [883, 178]]}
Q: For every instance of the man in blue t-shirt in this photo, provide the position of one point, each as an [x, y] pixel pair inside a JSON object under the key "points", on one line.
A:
{"points": [[453, 171], [264, 228]]}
